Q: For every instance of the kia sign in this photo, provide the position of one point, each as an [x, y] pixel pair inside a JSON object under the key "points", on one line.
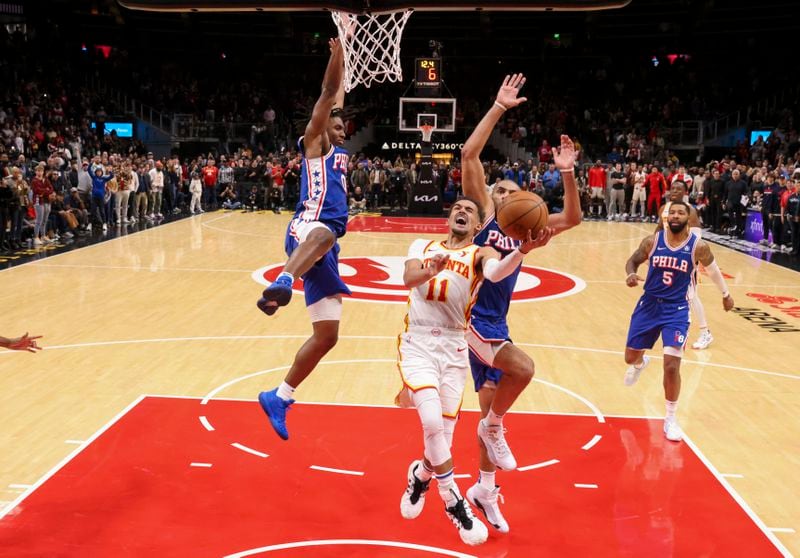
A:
{"points": [[380, 279]]}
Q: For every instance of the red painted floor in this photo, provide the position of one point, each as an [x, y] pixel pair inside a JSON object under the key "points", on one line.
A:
{"points": [[132, 492], [373, 223]]}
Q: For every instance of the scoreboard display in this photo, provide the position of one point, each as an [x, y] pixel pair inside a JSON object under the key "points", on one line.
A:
{"points": [[428, 76]]}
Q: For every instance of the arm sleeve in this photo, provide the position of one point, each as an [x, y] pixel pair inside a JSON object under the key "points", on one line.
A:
{"points": [[716, 276], [496, 270]]}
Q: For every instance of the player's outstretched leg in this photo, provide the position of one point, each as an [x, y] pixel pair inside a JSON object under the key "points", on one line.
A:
{"points": [[486, 500]]}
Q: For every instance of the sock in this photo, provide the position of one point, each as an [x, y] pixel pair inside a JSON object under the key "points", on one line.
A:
{"points": [[672, 408], [285, 279], [423, 473], [448, 489], [699, 312], [285, 391], [493, 419], [486, 479]]}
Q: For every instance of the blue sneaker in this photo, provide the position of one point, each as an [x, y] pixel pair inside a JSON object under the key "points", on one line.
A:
{"points": [[276, 408], [279, 292]]}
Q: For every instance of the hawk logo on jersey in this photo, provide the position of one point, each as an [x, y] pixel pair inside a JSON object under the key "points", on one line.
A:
{"points": [[380, 279]]}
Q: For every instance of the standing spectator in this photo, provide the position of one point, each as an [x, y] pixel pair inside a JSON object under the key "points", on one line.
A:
{"points": [[767, 199], [597, 186], [656, 187], [7, 198], [226, 174], [157, 180], [20, 208], [85, 183], [210, 174], [790, 215], [639, 194], [291, 182], [518, 175], [617, 193], [42, 196], [544, 152], [735, 190], [142, 193], [715, 189], [196, 189], [550, 182], [125, 181]]}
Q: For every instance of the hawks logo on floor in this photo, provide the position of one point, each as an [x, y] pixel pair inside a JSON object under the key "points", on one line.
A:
{"points": [[380, 278]]}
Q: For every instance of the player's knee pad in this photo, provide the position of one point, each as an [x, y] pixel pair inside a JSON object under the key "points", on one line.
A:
{"points": [[429, 407], [449, 428]]}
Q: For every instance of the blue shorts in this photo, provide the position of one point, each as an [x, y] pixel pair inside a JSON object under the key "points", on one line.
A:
{"points": [[653, 317], [490, 330], [481, 372], [323, 279]]}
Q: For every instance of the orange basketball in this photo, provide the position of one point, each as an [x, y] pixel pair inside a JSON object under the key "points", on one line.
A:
{"points": [[521, 212]]}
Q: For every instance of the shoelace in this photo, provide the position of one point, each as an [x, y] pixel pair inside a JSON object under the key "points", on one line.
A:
{"points": [[497, 437], [460, 513]]}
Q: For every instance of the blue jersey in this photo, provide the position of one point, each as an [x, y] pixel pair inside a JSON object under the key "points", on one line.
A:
{"points": [[671, 270], [323, 189], [495, 298]]}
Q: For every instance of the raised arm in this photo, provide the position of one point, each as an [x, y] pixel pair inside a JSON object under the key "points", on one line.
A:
{"points": [[638, 258], [473, 180], [331, 84], [703, 254], [564, 157]]}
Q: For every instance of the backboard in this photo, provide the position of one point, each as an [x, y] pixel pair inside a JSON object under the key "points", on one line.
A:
{"points": [[374, 6], [440, 112]]}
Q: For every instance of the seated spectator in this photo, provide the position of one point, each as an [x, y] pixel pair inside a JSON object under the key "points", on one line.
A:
{"points": [[358, 202]]}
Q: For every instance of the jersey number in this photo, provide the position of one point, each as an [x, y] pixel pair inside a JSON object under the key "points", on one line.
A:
{"points": [[432, 287], [667, 279]]}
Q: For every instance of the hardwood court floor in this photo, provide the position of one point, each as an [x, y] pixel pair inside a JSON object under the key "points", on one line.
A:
{"points": [[171, 311]]}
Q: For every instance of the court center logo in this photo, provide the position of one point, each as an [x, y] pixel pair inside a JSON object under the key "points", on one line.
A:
{"points": [[380, 279]]}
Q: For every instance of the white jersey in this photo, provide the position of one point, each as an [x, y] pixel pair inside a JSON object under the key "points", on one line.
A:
{"points": [[446, 300], [638, 178], [697, 231]]}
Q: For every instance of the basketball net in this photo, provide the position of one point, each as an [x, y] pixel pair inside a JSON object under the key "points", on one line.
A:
{"points": [[426, 130], [371, 46]]}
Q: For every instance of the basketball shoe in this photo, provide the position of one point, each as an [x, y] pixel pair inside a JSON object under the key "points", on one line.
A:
{"points": [[276, 408], [496, 446], [279, 292], [633, 371], [703, 341], [413, 499], [672, 430], [486, 501], [470, 528]]}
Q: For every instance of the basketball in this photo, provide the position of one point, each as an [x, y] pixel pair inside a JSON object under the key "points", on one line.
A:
{"points": [[521, 212]]}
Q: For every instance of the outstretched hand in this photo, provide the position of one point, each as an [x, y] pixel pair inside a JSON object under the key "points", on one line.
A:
{"points": [[25, 343], [507, 96], [565, 156], [542, 238]]}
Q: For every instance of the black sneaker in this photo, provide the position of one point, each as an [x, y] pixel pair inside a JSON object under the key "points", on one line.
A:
{"points": [[413, 499]]}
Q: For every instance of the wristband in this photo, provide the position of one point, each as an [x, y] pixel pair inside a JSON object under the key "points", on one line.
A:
{"points": [[726, 294], [567, 171], [500, 106]]}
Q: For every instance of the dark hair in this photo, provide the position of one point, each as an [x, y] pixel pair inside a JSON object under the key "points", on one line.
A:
{"points": [[337, 113], [682, 183], [481, 214]]}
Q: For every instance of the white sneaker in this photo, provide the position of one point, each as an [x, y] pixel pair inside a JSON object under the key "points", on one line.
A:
{"points": [[105, 227], [68, 235], [37, 242], [89, 227], [486, 501], [496, 446], [413, 499], [632, 373], [471, 530], [703, 341], [672, 431]]}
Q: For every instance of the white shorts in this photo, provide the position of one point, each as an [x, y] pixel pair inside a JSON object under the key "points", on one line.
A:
{"points": [[484, 349], [433, 358], [597, 193], [639, 195]]}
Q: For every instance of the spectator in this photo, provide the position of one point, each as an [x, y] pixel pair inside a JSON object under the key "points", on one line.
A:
{"points": [[196, 189], [617, 193], [43, 194], [597, 186]]}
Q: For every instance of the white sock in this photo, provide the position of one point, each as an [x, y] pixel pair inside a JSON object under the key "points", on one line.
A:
{"points": [[486, 479], [448, 489], [285, 391], [493, 419], [672, 408], [423, 473]]}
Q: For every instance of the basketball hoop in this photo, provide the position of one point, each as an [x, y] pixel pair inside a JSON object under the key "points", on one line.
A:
{"points": [[426, 130], [371, 46]]}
